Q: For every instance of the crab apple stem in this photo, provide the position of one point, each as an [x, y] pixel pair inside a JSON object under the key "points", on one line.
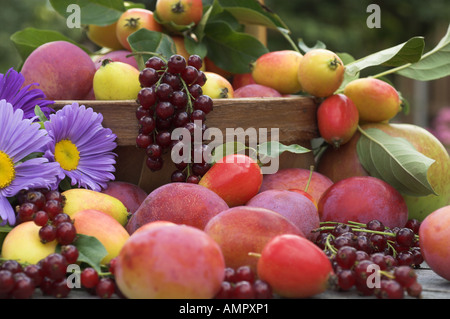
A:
{"points": [[257, 255], [311, 169]]}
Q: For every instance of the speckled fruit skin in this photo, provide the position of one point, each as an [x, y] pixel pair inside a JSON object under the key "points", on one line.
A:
{"points": [[376, 100], [296, 207], [242, 230], [278, 70], [180, 203], [362, 199], [170, 262], [337, 119], [294, 267], [434, 234]]}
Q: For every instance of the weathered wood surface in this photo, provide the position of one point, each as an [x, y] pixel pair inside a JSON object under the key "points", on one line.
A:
{"points": [[295, 117]]}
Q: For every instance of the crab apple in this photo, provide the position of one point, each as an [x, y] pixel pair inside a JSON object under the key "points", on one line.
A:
{"points": [[362, 199], [278, 70], [243, 229], [294, 267], [296, 207], [170, 262], [118, 56], [344, 162], [217, 86], [337, 119], [434, 232], [104, 36], [180, 12], [236, 178], [320, 72], [132, 20], [131, 195], [376, 100], [60, 78]]}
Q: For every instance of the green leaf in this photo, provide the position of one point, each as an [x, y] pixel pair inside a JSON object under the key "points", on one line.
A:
{"points": [[407, 52], [40, 114], [252, 12], [91, 251], [433, 65], [151, 42], [275, 149], [195, 47], [98, 12], [394, 160], [305, 48], [230, 50], [29, 39]]}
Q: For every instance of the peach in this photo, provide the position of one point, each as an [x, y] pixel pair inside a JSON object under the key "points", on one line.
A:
{"points": [[129, 194], [297, 178], [278, 70], [434, 234], [105, 228], [180, 203], [376, 100], [62, 70], [362, 199], [256, 90], [170, 262], [242, 230], [297, 208], [77, 199], [23, 244]]}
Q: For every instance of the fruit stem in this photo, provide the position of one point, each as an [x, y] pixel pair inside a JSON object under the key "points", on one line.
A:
{"points": [[257, 255], [289, 39], [140, 53], [311, 169]]}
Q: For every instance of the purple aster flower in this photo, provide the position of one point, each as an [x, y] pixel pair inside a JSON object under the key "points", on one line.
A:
{"points": [[82, 146], [23, 98], [18, 139]]}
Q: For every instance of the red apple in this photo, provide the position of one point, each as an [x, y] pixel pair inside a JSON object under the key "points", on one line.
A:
{"points": [[236, 179], [362, 199], [294, 267]]}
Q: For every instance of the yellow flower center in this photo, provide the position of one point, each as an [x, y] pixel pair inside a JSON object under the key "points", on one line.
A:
{"points": [[7, 172], [67, 155]]}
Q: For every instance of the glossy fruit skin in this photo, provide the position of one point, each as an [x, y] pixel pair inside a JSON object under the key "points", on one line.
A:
{"points": [[376, 100], [132, 20], [362, 199], [434, 234], [321, 72], [180, 12], [278, 70], [337, 119], [236, 179], [104, 36], [217, 86], [294, 267]]}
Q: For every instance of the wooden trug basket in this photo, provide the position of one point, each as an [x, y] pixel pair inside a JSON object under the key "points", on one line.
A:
{"points": [[294, 116]]}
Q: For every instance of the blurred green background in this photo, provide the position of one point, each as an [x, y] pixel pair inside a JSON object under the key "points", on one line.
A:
{"points": [[341, 25]]}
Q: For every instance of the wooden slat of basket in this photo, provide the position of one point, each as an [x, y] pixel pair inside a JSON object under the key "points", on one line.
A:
{"points": [[294, 116]]}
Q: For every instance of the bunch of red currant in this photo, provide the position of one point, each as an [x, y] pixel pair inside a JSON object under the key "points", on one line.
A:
{"points": [[357, 250], [172, 97], [20, 281]]}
